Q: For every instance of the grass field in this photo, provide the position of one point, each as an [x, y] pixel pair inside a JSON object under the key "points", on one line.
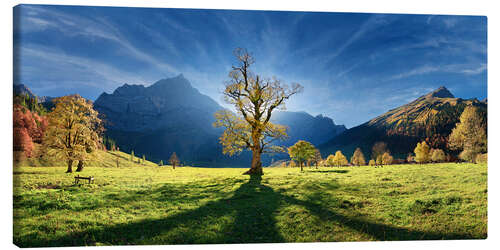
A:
{"points": [[136, 204]]}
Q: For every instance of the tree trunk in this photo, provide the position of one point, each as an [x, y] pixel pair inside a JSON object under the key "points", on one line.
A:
{"points": [[80, 166], [301, 169], [256, 167], [70, 165], [173, 165]]}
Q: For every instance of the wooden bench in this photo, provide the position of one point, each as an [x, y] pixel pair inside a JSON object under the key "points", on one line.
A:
{"points": [[78, 178]]}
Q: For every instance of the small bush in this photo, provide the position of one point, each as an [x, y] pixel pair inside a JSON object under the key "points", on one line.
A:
{"points": [[468, 155], [438, 155], [482, 158], [387, 158]]}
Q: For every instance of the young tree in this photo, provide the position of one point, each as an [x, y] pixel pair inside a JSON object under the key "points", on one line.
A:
{"points": [[387, 159], [174, 160], [422, 152], [469, 135], [358, 158], [378, 149], [255, 98], [438, 155], [339, 159], [161, 163], [330, 161], [73, 130], [317, 157], [410, 158], [482, 158], [132, 156], [144, 159], [372, 163], [301, 152], [379, 160]]}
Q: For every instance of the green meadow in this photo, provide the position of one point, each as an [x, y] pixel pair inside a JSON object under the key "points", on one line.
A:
{"points": [[147, 204]]}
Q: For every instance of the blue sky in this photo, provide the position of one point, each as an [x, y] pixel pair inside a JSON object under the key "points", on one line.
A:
{"points": [[353, 66]]}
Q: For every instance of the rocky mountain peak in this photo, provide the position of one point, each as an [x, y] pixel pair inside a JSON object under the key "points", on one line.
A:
{"points": [[21, 89], [178, 81], [129, 89], [441, 92]]}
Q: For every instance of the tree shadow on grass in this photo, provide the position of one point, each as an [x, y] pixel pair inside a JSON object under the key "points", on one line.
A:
{"points": [[248, 216], [341, 171]]}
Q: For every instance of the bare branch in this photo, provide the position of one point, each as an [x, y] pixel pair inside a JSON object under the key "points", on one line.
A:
{"points": [[254, 98]]}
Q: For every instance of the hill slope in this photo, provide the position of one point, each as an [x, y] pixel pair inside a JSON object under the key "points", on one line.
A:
{"points": [[101, 158], [430, 117]]}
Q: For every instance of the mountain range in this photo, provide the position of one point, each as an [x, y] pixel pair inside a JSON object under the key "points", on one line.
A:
{"points": [[172, 116], [430, 117], [21, 89]]}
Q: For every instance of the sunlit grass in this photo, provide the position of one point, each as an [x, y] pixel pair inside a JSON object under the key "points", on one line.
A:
{"points": [[137, 204]]}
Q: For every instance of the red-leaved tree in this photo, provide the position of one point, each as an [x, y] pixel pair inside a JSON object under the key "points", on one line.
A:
{"points": [[22, 141], [28, 128]]}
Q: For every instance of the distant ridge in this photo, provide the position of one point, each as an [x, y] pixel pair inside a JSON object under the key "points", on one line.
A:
{"points": [[165, 103], [173, 116], [21, 89], [303, 126], [431, 116]]}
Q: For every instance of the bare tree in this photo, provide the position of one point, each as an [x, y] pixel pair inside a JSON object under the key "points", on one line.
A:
{"points": [[255, 98], [174, 160]]}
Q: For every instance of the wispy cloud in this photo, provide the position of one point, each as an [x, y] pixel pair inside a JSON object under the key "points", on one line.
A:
{"points": [[450, 68], [429, 19], [417, 71], [71, 25], [432, 42], [82, 67], [350, 68], [475, 71], [450, 22], [160, 39], [406, 95], [177, 26], [373, 22], [353, 67], [42, 24]]}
